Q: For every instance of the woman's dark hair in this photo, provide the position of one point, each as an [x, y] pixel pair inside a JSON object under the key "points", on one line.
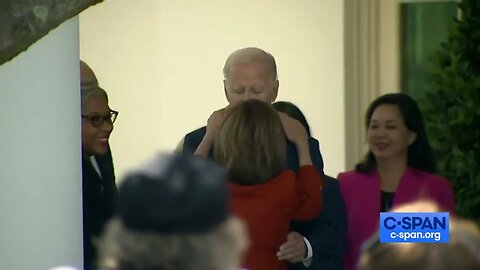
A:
{"points": [[294, 112], [420, 155]]}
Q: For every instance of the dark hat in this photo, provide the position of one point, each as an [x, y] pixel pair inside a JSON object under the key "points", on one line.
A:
{"points": [[174, 194]]}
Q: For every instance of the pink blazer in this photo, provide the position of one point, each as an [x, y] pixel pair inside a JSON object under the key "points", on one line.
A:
{"points": [[361, 193]]}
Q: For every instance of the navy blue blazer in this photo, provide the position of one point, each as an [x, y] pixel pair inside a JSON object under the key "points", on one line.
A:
{"points": [[326, 233]]}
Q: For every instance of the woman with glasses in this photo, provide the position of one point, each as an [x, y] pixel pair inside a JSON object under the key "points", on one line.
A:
{"points": [[98, 178]]}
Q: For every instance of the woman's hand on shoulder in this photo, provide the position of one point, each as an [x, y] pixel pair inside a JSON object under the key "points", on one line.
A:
{"points": [[294, 130], [215, 121]]}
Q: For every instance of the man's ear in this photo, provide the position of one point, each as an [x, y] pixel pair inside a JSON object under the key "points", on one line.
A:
{"points": [[275, 91], [225, 90]]}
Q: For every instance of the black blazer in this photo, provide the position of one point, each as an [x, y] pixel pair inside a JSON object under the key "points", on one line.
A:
{"points": [[99, 201], [327, 232]]}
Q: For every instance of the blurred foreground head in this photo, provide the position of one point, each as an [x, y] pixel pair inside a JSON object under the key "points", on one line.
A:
{"points": [[462, 252], [173, 215]]}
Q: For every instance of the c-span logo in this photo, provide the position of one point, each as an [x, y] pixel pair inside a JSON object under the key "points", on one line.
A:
{"points": [[414, 227]]}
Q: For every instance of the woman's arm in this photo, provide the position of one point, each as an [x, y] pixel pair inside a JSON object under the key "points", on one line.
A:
{"points": [[213, 126], [310, 198], [296, 133], [303, 151], [204, 146]]}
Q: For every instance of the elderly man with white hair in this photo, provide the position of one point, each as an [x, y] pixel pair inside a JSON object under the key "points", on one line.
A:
{"points": [[251, 73]]}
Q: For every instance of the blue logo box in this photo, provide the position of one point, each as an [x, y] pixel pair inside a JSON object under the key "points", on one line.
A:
{"points": [[414, 227]]}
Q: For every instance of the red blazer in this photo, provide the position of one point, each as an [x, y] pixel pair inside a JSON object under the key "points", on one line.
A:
{"points": [[361, 193], [268, 208]]}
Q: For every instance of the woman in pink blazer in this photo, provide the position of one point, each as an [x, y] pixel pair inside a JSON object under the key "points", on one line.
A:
{"points": [[397, 169]]}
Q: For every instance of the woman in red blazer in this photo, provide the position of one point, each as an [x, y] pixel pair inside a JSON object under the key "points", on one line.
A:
{"points": [[397, 169], [267, 196]]}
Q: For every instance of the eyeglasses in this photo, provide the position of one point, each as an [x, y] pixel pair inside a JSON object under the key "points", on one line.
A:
{"points": [[98, 120]]}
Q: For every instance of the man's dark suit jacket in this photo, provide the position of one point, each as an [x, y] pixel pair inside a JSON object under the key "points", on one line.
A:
{"points": [[99, 200], [326, 233], [329, 230]]}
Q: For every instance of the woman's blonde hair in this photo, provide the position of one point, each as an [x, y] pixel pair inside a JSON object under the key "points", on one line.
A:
{"points": [[251, 143]]}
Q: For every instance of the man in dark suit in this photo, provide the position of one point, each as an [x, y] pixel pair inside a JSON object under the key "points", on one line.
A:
{"points": [[328, 230], [252, 73], [98, 178], [331, 223]]}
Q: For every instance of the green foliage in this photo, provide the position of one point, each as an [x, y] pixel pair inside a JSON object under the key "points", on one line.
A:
{"points": [[452, 110]]}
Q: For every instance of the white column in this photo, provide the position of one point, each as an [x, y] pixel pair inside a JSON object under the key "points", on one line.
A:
{"points": [[40, 155], [371, 65]]}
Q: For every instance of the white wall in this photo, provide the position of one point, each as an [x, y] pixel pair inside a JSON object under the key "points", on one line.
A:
{"points": [[40, 155], [161, 62]]}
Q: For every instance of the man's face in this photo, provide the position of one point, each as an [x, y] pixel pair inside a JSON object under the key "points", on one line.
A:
{"points": [[251, 80]]}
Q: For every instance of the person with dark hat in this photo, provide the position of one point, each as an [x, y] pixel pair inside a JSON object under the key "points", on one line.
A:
{"points": [[173, 214]]}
